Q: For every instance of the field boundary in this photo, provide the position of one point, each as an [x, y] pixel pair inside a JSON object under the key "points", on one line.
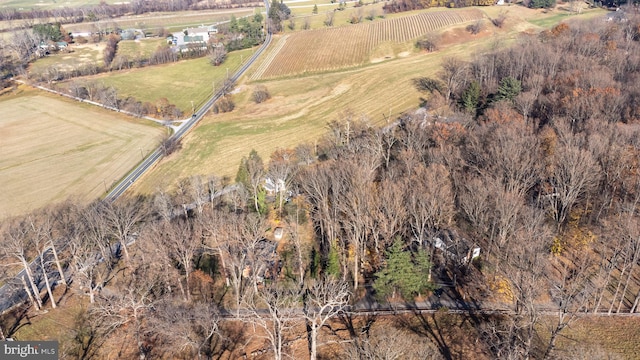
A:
{"points": [[267, 61]]}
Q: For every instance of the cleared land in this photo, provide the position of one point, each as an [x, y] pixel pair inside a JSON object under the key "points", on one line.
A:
{"points": [[53, 149], [78, 56], [337, 48]]}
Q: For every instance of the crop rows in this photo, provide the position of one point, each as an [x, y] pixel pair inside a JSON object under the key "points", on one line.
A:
{"points": [[336, 48]]}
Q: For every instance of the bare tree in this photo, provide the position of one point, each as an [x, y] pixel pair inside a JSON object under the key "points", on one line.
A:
{"points": [[574, 174], [323, 299], [390, 343], [92, 257], [282, 170], [40, 234], [15, 246], [251, 174], [183, 241], [570, 289], [273, 309], [123, 219], [188, 327], [217, 55], [453, 75], [129, 306], [434, 208]]}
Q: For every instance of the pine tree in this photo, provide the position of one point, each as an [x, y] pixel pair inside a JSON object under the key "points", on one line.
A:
{"points": [[405, 273], [471, 97], [333, 261], [509, 88]]}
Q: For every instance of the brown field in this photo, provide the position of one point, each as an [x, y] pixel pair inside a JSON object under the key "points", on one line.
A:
{"points": [[336, 48], [53, 148]]}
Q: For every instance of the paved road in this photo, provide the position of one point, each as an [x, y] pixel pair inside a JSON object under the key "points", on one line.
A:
{"points": [[155, 156]]}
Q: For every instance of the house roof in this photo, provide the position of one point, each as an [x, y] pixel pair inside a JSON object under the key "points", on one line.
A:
{"points": [[197, 38]]}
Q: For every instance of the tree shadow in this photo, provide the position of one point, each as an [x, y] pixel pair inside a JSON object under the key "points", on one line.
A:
{"points": [[428, 325], [231, 340], [15, 319]]}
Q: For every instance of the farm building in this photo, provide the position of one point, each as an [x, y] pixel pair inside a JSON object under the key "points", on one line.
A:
{"points": [[193, 35]]}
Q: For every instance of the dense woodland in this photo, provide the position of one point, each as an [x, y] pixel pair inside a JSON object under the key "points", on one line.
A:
{"points": [[530, 152]]}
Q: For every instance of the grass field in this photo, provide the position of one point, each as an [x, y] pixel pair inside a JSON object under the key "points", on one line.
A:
{"points": [[179, 82], [53, 148], [172, 21]]}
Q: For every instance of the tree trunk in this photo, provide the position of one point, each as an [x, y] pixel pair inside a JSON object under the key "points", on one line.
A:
{"points": [[615, 295], [604, 288], [355, 270], [36, 291], [92, 297], [626, 285], [314, 342], [58, 265], [46, 281], [226, 272], [187, 289], [26, 289], [635, 303], [124, 249]]}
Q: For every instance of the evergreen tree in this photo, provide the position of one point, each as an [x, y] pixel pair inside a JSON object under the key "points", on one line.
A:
{"points": [[333, 261], [233, 25], [405, 273], [315, 9], [471, 97], [509, 88]]}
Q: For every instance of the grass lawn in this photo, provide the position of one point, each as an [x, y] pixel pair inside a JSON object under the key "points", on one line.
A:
{"points": [[53, 148], [143, 48], [179, 82]]}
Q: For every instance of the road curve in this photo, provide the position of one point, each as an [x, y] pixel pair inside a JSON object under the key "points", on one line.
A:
{"points": [[155, 156]]}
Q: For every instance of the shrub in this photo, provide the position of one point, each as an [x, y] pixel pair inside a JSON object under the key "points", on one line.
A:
{"points": [[428, 42], [217, 55], [499, 21], [260, 94], [475, 28], [224, 105]]}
